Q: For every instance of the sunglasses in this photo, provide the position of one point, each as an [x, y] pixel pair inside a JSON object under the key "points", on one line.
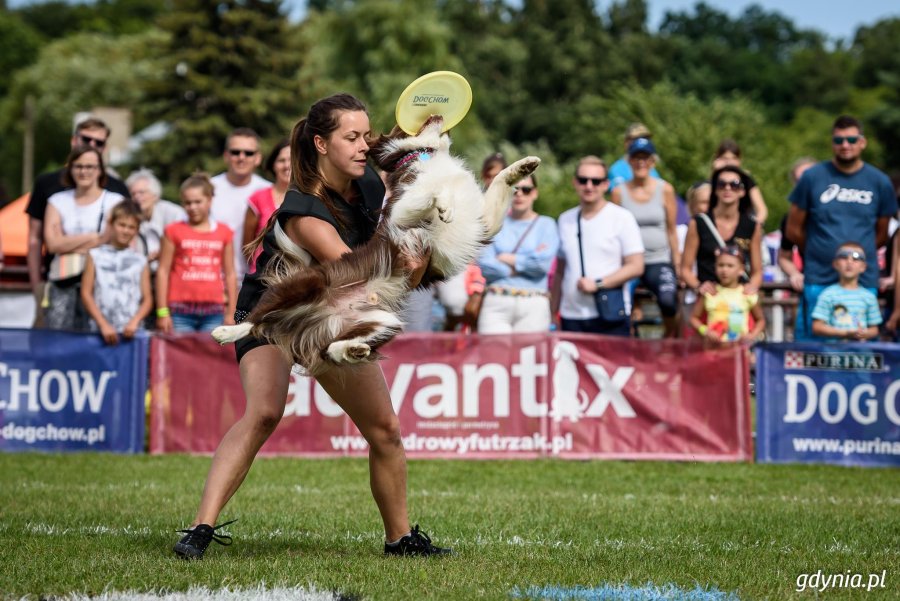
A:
{"points": [[734, 184], [731, 251], [594, 180], [89, 141], [850, 254], [236, 152], [839, 140], [523, 189]]}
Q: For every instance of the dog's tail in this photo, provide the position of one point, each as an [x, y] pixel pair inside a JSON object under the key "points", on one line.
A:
{"points": [[226, 334], [288, 261]]}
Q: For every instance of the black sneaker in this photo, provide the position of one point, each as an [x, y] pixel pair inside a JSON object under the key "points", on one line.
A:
{"points": [[195, 540], [415, 543]]}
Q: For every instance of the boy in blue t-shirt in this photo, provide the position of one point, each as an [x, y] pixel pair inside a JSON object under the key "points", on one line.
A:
{"points": [[845, 311]]}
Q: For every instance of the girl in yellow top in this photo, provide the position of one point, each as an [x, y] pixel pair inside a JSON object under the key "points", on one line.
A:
{"points": [[724, 316]]}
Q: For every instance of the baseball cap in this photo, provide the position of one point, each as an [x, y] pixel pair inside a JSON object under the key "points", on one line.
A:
{"points": [[637, 130], [641, 145]]}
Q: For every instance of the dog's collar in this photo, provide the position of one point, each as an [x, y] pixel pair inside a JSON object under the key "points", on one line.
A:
{"points": [[423, 154]]}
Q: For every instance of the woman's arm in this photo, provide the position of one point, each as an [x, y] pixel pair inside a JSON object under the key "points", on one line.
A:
{"points": [[689, 257], [230, 283], [759, 205], [317, 237], [58, 242], [671, 224], [756, 271]]}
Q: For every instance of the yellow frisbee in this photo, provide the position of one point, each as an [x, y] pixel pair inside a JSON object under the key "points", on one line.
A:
{"points": [[443, 93]]}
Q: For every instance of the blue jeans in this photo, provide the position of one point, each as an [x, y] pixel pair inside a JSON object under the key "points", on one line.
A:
{"points": [[188, 322]]}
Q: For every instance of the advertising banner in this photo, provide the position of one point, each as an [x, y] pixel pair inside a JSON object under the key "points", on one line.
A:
{"points": [[65, 391], [828, 403], [519, 396]]}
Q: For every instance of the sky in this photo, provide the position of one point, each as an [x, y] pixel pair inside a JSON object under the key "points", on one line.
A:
{"points": [[838, 20]]}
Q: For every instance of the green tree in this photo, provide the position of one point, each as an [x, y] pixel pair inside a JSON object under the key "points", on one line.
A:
{"points": [[226, 67], [73, 74], [19, 47]]}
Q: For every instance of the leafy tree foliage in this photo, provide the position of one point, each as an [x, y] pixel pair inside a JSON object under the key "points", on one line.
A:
{"points": [[225, 67], [73, 74]]}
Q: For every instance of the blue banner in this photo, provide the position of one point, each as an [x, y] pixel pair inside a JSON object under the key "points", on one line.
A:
{"points": [[828, 403], [62, 391]]}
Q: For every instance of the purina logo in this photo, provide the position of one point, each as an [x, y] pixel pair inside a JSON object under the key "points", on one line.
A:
{"points": [[834, 191], [426, 99], [834, 361]]}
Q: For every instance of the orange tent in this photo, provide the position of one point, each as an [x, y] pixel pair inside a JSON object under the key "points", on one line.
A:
{"points": [[14, 228]]}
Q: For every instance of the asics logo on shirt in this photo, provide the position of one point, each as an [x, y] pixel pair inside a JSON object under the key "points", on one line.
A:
{"points": [[835, 192]]}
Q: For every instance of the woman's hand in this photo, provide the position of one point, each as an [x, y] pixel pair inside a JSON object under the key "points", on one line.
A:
{"points": [[707, 288], [415, 265]]}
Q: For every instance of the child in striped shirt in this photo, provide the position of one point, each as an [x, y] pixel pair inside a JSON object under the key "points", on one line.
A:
{"points": [[845, 311]]}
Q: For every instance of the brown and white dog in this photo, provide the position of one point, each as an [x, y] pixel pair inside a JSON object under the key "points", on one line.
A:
{"points": [[341, 312]]}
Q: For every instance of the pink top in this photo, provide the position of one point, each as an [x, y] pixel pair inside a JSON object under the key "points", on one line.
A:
{"points": [[262, 202], [196, 275]]}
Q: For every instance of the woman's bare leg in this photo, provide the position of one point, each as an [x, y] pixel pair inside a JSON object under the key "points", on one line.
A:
{"points": [[361, 391], [265, 375]]}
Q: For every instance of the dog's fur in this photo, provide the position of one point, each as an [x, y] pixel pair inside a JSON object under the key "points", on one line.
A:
{"points": [[341, 312]]}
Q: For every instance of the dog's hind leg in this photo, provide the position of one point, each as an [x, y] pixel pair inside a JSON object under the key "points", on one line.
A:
{"points": [[359, 348], [499, 193]]}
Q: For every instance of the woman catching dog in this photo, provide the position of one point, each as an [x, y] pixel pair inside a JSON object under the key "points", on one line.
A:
{"points": [[331, 208]]}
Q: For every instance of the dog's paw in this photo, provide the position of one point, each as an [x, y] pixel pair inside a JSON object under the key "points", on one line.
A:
{"points": [[348, 351], [445, 214], [520, 169], [226, 334]]}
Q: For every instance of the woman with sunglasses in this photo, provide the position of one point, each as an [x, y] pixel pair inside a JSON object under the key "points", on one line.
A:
{"points": [[75, 222], [728, 220], [728, 154], [515, 267], [652, 202]]}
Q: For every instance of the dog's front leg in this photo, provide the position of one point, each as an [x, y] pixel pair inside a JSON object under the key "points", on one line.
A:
{"points": [[499, 193]]}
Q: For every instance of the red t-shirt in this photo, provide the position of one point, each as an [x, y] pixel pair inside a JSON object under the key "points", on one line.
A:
{"points": [[196, 275]]}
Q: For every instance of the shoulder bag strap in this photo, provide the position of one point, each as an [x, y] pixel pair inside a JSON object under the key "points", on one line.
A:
{"points": [[580, 249], [712, 229], [519, 243]]}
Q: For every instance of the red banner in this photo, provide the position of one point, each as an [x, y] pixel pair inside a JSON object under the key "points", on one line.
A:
{"points": [[563, 395]]}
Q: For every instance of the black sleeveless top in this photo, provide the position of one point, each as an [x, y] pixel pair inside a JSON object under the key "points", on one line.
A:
{"points": [[706, 251], [360, 219]]}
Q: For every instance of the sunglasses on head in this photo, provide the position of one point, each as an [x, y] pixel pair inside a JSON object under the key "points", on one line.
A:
{"points": [[734, 184], [236, 152], [594, 180], [847, 253], [523, 189], [731, 251], [89, 141], [838, 140]]}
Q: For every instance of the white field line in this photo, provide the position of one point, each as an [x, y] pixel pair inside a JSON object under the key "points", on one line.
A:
{"points": [[508, 539], [205, 594]]}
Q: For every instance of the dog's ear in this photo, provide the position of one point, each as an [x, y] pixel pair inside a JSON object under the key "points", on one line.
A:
{"points": [[380, 150]]}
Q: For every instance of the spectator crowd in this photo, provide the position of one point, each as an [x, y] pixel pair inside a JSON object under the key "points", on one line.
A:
{"points": [[114, 257]]}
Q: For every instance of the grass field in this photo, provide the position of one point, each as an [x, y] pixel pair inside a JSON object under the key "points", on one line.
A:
{"points": [[89, 523]]}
